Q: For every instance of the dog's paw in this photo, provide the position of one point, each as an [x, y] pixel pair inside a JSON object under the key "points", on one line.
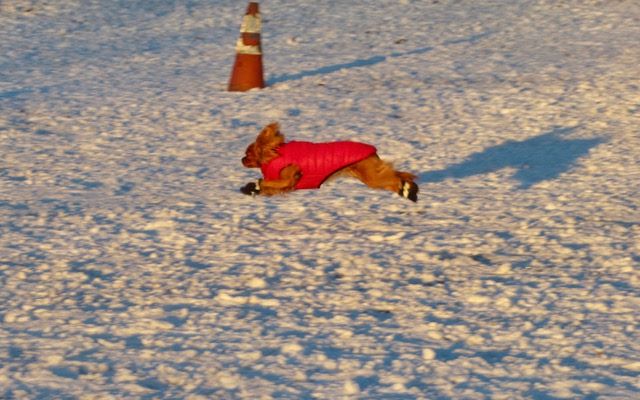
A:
{"points": [[409, 190], [251, 188]]}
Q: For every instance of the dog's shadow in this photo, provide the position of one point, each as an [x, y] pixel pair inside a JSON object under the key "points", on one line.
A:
{"points": [[537, 159]]}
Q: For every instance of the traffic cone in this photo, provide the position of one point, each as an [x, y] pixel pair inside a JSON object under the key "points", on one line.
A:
{"points": [[247, 69]]}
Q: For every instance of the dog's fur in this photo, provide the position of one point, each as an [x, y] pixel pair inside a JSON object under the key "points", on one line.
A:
{"points": [[372, 171]]}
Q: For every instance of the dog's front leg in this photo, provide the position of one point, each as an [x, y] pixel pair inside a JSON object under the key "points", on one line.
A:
{"points": [[289, 177]]}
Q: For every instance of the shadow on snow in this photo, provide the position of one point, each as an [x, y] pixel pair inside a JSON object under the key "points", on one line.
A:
{"points": [[367, 62], [537, 159]]}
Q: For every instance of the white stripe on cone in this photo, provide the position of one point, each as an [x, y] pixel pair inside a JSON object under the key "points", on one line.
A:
{"points": [[242, 48], [251, 24]]}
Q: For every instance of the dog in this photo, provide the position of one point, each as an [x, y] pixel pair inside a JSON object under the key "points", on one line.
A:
{"points": [[288, 166]]}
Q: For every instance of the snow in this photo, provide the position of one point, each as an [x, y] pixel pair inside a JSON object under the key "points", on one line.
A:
{"points": [[132, 267]]}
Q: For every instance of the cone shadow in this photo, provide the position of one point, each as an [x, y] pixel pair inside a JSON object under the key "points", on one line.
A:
{"points": [[329, 69], [367, 62]]}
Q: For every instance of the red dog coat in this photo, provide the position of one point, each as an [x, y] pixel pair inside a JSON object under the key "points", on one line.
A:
{"points": [[317, 161]]}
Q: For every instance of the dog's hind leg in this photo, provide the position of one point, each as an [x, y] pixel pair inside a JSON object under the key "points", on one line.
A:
{"points": [[379, 174]]}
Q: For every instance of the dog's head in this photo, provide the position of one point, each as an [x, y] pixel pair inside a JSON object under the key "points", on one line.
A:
{"points": [[264, 148]]}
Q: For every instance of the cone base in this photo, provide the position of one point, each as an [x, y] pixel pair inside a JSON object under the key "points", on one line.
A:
{"points": [[247, 73]]}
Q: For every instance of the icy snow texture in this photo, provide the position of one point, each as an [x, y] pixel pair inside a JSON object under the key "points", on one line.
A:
{"points": [[132, 267]]}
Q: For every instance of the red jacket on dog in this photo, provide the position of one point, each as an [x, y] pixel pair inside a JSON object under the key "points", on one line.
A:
{"points": [[317, 161]]}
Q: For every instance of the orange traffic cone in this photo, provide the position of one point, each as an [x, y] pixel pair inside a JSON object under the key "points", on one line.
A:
{"points": [[247, 70]]}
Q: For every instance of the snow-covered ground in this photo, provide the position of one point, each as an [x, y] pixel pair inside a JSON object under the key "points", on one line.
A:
{"points": [[132, 267]]}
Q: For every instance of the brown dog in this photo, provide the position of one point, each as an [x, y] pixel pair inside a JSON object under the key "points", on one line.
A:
{"points": [[305, 165]]}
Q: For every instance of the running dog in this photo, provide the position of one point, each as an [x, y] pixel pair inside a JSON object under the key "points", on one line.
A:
{"points": [[288, 166]]}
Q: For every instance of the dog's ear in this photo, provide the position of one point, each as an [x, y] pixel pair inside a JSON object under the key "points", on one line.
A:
{"points": [[268, 140], [270, 136]]}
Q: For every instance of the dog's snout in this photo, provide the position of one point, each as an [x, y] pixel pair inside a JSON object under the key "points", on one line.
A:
{"points": [[247, 162]]}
